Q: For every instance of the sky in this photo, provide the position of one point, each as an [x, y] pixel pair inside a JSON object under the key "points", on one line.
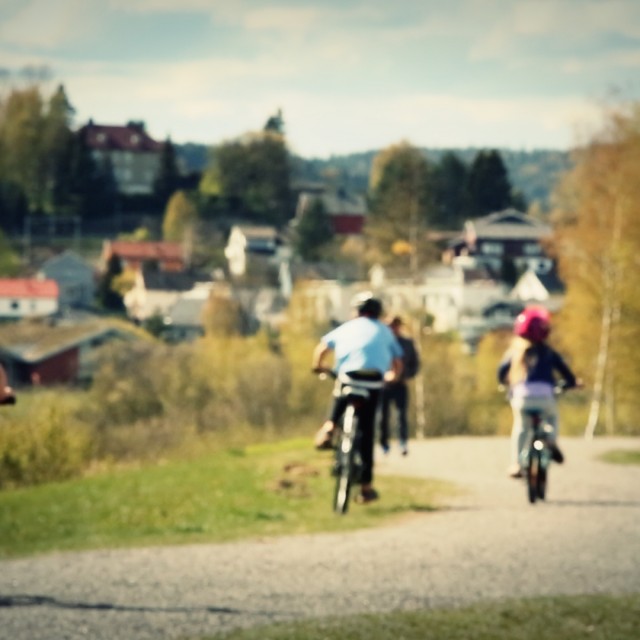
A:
{"points": [[348, 75]]}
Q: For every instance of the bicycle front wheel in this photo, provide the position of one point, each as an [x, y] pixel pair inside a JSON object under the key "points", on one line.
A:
{"points": [[344, 456]]}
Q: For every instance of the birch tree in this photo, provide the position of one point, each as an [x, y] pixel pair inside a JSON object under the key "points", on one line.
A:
{"points": [[598, 243]]}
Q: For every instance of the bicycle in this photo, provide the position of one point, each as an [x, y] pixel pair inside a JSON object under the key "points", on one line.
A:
{"points": [[354, 387], [539, 451], [537, 455]]}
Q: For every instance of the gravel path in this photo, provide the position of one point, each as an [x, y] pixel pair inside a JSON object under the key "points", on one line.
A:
{"points": [[489, 543]]}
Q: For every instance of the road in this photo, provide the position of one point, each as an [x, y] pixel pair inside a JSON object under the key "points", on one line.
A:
{"points": [[487, 543]]}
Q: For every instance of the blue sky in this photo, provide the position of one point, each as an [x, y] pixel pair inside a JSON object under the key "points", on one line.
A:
{"points": [[349, 75]]}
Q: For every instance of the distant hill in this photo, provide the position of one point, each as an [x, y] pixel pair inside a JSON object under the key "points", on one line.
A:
{"points": [[535, 173]]}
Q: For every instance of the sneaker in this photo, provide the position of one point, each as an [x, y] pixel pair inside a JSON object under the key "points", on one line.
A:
{"points": [[404, 449], [556, 454], [385, 448], [367, 495], [515, 471], [324, 437]]}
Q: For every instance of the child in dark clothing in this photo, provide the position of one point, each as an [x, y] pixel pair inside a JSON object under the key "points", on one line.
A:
{"points": [[529, 370]]}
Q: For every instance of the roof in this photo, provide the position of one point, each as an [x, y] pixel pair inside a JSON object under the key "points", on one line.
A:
{"points": [[255, 232], [28, 288], [335, 204], [66, 260], [155, 280], [509, 223], [36, 341], [131, 137], [143, 250]]}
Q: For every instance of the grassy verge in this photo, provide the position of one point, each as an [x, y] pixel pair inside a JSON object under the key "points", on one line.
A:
{"points": [[561, 618], [265, 490], [622, 456]]}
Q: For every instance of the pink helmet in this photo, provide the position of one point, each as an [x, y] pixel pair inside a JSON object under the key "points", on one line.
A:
{"points": [[534, 324]]}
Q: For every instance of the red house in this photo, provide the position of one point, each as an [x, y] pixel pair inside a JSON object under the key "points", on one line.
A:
{"points": [[348, 212]]}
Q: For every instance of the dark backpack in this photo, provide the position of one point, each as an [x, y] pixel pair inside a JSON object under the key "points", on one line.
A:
{"points": [[410, 360]]}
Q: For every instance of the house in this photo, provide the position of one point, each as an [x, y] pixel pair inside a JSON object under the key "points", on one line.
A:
{"points": [[183, 321], [261, 242], [501, 237], [167, 256], [155, 292], [75, 278], [133, 154], [35, 352], [28, 298], [348, 212]]}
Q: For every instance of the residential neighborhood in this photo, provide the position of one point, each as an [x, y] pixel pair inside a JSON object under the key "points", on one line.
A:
{"points": [[305, 235]]}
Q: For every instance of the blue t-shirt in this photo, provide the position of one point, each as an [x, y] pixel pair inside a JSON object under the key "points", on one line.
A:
{"points": [[363, 343]]}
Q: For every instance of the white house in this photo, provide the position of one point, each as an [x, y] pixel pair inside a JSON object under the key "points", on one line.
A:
{"points": [[155, 292], [28, 298], [245, 240]]}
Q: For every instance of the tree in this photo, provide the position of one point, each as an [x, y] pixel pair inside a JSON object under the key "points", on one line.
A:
{"points": [[252, 177], [401, 207], [168, 179], [57, 152], [313, 231], [179, 218], [488, 188], [107, 296], [21, 142], [449, 180], [598, 240]]}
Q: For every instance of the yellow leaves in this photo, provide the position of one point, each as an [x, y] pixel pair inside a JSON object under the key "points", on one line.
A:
{"points": [[401, 248]]}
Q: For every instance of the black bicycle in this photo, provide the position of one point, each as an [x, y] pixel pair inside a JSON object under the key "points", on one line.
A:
{"points": [[354, 387], [537, 455]]}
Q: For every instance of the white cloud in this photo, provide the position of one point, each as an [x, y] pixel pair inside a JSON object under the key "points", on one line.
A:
{"points": [[43, 23]]}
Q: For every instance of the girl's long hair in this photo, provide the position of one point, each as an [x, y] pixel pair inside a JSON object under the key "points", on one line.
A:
{"points": [[518, 367]]}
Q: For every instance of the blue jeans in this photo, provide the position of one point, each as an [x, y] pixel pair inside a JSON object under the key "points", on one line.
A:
{"points": [[398, 395]]}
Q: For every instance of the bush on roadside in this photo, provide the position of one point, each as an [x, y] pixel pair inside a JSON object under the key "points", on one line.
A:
{"points": [[43, 444]]}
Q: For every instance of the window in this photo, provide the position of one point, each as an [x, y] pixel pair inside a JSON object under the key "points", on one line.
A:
{"points": [[15, 305], [492, 248], [531, 249]]}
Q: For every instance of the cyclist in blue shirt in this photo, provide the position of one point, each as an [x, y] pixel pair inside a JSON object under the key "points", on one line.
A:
{"points": [[361, 344]]}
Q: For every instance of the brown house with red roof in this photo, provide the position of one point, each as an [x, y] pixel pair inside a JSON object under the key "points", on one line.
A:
{"points": [[168, 256], [132, 152]]}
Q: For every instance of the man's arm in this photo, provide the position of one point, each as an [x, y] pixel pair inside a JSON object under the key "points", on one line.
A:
{"points": [[319, 355]]}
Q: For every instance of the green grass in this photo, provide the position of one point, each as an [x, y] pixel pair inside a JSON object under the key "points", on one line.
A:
{"points": [[622, 456], [561, 618], [262, 490]]}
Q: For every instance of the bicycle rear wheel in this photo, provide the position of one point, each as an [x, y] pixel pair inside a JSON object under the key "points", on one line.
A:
{"points": [[344, 456], [542, 481]]}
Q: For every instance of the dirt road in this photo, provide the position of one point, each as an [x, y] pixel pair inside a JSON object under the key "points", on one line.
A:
{"points": [[489, 543]]}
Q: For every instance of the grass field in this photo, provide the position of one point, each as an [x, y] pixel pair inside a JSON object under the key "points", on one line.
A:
{"points": [[562, 618], [622, 456], [262, 490]]}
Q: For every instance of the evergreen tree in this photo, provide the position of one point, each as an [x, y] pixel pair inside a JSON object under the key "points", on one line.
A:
{"points": [[449, 181], [108, 298], [488, 187], [313, 231], [167, 181]]}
